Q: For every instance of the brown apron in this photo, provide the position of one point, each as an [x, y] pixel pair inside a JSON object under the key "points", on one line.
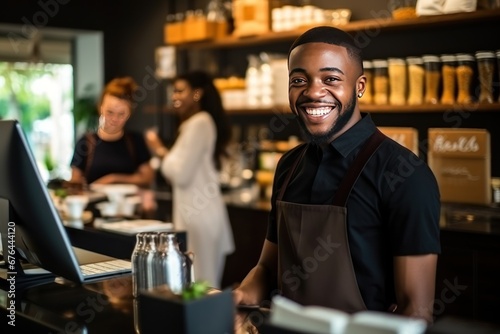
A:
{"points": [[315, 265]]}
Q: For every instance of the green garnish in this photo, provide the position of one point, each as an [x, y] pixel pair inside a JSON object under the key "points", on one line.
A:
{"points": [[195, 291]]}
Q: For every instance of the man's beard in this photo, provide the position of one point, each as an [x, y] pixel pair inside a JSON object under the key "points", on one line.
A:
{"points": [[326, 138]]}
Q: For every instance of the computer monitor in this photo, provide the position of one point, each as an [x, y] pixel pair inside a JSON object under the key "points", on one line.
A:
{"points": [[30, 225]]}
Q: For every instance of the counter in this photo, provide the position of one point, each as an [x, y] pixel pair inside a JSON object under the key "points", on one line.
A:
{"points": [[108, 307], [468, 269]]}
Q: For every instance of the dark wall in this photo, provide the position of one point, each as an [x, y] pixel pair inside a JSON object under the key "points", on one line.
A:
{"points": [[132, 30]]}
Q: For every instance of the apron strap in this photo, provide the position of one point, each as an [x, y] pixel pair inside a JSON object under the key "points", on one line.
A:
{"points": [[290, 173], [91, 144], [347, 183]]}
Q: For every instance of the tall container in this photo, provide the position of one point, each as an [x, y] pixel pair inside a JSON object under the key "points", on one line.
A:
{"points": [[432, 65], [498, 66], [397, 81], [486, 67], [416, 77], [137, 260], [448, 72], [465, 75], [380, 82], [173, 268], [150, 260], [367, 97]]}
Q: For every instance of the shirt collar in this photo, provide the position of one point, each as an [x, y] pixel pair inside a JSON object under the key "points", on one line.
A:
{"points": [[355, 136]]}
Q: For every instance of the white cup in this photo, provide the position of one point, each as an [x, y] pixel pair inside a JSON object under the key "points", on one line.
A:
{"points": [[74, 205], [108, 209]]}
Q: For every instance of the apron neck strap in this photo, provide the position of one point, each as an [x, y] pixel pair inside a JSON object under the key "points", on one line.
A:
{"points": [[347, 183], [359, 163], [290, 173]]}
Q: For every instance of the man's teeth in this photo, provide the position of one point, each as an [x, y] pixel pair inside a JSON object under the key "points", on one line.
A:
{"points": [[318, 111]]}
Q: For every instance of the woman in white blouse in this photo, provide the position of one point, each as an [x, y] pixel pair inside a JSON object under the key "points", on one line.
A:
{"points": [[192, 167]]}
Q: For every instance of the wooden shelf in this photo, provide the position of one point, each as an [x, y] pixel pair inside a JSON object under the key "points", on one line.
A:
{"points": [[371, 25], [426, 108], [432, 108]]}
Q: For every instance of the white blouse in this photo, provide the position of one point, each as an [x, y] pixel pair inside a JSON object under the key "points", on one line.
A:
{"points": [[198, 206]]}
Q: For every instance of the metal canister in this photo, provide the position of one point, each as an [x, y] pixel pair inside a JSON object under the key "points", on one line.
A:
{"points": [[174, 268], [137, 259]]}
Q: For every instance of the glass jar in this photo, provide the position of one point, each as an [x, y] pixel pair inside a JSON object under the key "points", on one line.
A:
{"points": [[498, 69], [432, 65], [465, 75], [397, 81], [368, 94], [448, 72], [402, 9], [486, 65], [416, 75], [380, 82]]}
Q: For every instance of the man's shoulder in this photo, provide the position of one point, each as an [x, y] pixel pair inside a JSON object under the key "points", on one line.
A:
{"points": [[293, 153]]}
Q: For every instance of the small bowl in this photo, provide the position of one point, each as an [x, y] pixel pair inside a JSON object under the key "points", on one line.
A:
{"points": [[108, 209]]}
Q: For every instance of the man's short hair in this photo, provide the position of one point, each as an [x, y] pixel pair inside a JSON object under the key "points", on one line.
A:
{"points": [[330, 35]]}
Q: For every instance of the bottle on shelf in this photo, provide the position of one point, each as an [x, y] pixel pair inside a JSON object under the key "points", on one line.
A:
{"points": [[368, 94], [265, 81], [416, 75], [448, 73], [397, 81], [465, 75], [432, 66], [252, 84], [217, 13], [486, 66], [498, 62], [380, 82], [402, 9]]}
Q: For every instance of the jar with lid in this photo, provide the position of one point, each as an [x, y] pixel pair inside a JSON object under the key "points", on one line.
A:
{"points": [[367, 97], [448, 72], [217, 13], [416, 75], [498, 69], [486, 65], [402, 9], [397, 81], [432, 65], [380, 82], [465, 75]]}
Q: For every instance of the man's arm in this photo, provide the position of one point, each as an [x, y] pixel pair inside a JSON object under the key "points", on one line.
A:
{"points": [[415, 281], [256, 286]]}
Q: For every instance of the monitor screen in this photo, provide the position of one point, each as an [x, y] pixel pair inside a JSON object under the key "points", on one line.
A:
{"points": [[29, 222]]}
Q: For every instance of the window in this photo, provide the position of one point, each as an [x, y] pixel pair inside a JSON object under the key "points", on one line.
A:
{"points": [[40, 96], [39, 84]]}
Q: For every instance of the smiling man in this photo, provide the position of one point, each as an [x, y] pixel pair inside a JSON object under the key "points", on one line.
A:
{"points": [[354, 223]]}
